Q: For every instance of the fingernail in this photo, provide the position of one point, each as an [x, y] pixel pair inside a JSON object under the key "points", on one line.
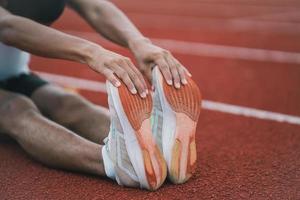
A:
{"points": [[184, 81], [143, 94], [117, 84], [133, 91], [189, 74], [169, 82], [152, 87], [147, 91], [177, 85]]}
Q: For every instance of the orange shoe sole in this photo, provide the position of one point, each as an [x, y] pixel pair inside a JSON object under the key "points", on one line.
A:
{"points": [[138, 112], [181, 110], [186, 103]]}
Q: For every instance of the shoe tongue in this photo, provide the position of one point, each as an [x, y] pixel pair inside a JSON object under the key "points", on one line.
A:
{"points": [[105, 140]]}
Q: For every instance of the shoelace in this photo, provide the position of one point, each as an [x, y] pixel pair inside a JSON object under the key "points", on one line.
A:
{"points": [[105, 141]]}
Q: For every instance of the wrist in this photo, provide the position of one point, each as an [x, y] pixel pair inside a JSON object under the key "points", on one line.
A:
{"points": [[135, 43], [89, 52]]}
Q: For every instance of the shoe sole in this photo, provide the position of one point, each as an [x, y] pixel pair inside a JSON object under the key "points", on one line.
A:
{"points": [[181, 110], [134, 114]]}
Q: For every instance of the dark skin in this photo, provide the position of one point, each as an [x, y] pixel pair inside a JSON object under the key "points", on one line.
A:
{"points": [[111, 23], [77, 128]]}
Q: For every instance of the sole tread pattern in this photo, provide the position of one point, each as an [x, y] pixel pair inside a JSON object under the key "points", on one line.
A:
{"points": [[185, 101], [138, 112]]}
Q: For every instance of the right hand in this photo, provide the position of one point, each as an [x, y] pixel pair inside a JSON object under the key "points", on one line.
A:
{"points": [[114, 66]]}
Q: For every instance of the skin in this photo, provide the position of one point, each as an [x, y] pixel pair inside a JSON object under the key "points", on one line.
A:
{"points": [[73, 112], [59, 129], [110, 22], [45, 140], [107, 18], [71, 124]]}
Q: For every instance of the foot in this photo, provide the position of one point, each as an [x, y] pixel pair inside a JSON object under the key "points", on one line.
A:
{"points": [[130, 147], [174, 120]]}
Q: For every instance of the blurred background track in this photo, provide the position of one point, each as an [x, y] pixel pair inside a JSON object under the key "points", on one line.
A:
{"points": [[244, 55]]}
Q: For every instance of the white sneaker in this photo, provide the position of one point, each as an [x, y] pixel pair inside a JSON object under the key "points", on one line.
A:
{"points": [[131, 147], [174, 119]]}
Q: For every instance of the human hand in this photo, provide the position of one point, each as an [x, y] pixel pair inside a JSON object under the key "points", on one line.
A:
{"points": [[148, 55], [114, 67]]}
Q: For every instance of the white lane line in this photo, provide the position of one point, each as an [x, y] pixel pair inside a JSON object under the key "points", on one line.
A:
{"points": [[209, 50], [221, 5], [287, 16], [250, 112], [206, 104], [227, 25], [79, 83], [233, 52]]}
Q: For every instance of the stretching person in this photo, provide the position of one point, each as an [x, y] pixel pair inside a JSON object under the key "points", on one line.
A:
{"points": [[64, 130]]}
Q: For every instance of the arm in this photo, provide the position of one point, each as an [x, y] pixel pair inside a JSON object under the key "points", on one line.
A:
{"points": [[41, 40], [108, 20], [112, 23]]}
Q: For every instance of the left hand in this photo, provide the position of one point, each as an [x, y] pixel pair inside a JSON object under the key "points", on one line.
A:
{"points": [[148, 55]]}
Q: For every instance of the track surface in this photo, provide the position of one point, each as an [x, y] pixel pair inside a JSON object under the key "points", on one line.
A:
{"points": [[238, 157]]}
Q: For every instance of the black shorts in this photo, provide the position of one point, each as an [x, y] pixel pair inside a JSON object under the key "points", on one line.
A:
{"points": [[23, 84]]}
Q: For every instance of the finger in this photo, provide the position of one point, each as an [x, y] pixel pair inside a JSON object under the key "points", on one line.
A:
{"points": [[174, 71], [138, 74], [164, 68], [136, 79], [109, 74], [181, 71], [182, 75], [123, 75], [187, 71]]}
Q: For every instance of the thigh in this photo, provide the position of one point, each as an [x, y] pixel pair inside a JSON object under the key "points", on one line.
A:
{"points": [[73, 111], [53, 100]]}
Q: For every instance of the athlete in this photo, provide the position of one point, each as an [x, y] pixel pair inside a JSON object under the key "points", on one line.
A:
{"points": [[64, 130]]}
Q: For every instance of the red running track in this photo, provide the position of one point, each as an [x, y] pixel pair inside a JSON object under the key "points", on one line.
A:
{"points": [[239, 157]]}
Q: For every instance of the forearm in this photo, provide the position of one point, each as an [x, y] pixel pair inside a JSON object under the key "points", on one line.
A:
{"points": [[109, 21], [42, 40]]}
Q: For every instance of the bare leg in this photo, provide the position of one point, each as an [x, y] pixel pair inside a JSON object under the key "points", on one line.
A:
{"points": [[73, 111], [45, 140]]}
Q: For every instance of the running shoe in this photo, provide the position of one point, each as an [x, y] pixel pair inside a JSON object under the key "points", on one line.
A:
{"points": [[174, 120], [130, 146]]}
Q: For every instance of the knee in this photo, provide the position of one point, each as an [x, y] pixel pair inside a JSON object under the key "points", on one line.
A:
{"points": [[68, 103], [13, 106], [72, 102]]}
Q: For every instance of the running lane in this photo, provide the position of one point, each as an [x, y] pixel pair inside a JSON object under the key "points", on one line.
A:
{"points": [[239, 157]]}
